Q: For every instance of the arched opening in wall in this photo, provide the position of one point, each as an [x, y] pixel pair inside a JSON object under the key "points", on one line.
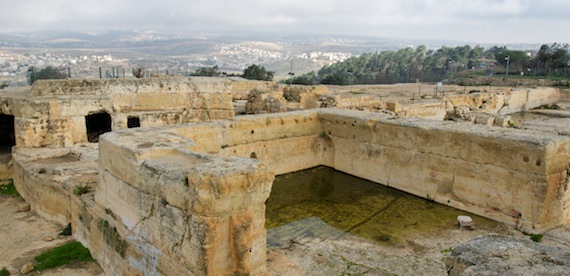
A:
{"points": [[7, 137], [96, 125], [133, 122]]}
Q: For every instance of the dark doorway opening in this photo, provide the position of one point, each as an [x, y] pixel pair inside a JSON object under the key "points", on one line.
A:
{"points": [[7, 137], [133, 122], [97, 124]]}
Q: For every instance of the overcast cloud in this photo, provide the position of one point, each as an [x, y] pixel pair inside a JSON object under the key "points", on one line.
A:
{"points": [[499, 21]]}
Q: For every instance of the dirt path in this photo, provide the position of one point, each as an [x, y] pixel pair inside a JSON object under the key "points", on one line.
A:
{"points": [[25, 235]]}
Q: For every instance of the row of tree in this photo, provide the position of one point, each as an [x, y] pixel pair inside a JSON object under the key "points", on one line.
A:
{"points": [[254, 72], [421, 64], [405, 65]]}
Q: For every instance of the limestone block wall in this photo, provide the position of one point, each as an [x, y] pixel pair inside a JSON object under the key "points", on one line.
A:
{"points": [[6, 171], [188, 215], [48, 178], [494, 103], [278, 97], [523, 100], [189, 199], [507, 102], [53, 113], [496, 173], [431, 110], [517, 177]]}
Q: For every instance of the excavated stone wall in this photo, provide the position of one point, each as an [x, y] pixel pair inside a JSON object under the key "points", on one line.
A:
{"points": [[494, 103], [517, 177], [55, 111], [189, 199]]}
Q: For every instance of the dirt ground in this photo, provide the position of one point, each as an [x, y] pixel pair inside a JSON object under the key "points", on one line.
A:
{"points": [[26, 235]]}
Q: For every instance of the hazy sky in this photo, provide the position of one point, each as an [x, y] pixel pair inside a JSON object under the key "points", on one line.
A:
{"points": [[498, 21]]}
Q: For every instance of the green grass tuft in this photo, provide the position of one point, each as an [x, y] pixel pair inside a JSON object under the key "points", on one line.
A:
{"points": [[9, 189], [4, 272], [535, 237], [71, 252], [81, 189]]}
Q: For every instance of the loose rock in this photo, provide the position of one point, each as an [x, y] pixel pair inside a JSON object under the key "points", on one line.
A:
{"points": [[27, 268], [465, 222], [23, 207], [47, 238]]}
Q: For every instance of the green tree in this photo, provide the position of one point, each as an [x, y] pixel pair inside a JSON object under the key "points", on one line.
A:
{"points": [[518, 60], [305, 79], [552, 58], [256, 72], [46, 73]]}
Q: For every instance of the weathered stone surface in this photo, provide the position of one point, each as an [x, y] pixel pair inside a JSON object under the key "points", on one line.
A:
{"points": [[55, 114], [499, 255], [189, 199], [46, 178], [259, 102], [484, 119], [27, 268], [23, 207]]}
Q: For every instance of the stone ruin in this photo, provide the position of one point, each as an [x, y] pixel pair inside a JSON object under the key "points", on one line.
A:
{"points": [[185, 193]]}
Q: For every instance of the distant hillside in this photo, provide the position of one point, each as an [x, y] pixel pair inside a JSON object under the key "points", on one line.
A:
{"points": [[231, 51]]}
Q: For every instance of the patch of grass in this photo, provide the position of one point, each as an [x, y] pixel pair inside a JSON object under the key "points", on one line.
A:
{"points": [[9, 189], [4, 272], [71, 252], [66, 231], [81, 189], [535, 237]]}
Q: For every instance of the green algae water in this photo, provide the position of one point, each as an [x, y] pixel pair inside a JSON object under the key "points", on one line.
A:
{"points": [[324, 203]]}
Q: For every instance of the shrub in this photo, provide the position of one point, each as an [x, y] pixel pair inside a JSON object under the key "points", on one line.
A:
{"points": [[81, 189]]}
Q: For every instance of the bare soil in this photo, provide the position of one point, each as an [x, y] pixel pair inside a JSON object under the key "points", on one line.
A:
{"points": [[26, 235]]}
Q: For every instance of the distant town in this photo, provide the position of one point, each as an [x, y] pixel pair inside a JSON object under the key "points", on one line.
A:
{"points": [[116, 55]]}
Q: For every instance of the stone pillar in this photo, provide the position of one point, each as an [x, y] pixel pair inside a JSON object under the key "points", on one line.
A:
{"points": [[179, 212], [228, 226]]}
